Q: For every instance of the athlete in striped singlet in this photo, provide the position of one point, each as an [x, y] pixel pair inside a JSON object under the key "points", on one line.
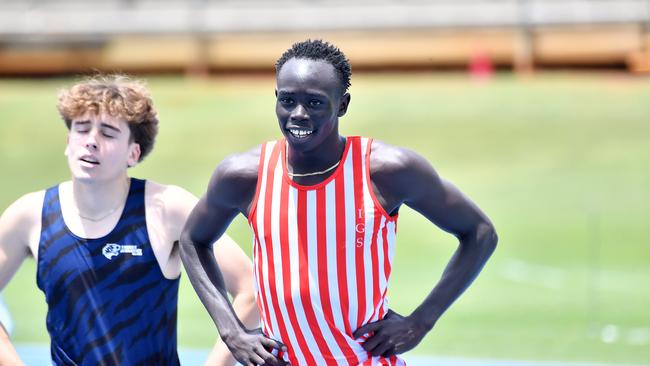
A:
{"points": [[105, 244], [323, 211]]}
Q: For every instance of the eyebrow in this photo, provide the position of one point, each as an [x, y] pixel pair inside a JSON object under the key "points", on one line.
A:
{"points": [[110, 127], [311, 94], [103, 124]]}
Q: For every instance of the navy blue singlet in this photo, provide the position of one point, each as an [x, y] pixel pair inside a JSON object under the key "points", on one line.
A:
{"points": [[108, 302]]}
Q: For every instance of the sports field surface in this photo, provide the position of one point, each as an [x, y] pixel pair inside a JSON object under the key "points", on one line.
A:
{"points": [[560, 162]]}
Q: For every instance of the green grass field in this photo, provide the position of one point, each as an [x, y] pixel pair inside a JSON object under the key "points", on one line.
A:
{"points": [[560, 162]]}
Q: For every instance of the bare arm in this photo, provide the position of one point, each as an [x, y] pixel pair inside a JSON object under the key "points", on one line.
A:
{"points": [[17, 225], [230, 192], [403, 177], [238, 275], [8, 354], [169, 208]]}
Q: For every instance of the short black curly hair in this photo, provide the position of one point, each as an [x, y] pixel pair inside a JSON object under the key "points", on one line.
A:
{"points": [[319, 50]]}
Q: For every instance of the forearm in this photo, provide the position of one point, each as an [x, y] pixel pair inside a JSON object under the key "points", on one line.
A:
{"points": [[246, 310], [8, 354], [465, 265], [207, 280]]}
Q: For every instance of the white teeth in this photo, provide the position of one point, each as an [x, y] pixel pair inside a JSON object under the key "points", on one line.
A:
{"points": [[300, 133]]}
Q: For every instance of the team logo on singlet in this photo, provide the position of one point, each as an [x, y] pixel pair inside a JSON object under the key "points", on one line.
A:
{"points": [[111, 250]]}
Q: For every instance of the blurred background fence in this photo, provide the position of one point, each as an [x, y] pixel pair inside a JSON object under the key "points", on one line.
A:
{"points": [[70, 36]]}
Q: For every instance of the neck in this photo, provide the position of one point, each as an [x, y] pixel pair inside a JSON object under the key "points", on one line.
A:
{"points": [[322, 157], [96, 198]]}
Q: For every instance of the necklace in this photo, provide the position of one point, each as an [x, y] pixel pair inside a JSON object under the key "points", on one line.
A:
{"points": [[308, 174], [106, 214], [314, 173], [97, 219]]}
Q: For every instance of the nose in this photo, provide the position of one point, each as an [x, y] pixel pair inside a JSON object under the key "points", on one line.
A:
{"points": [[299, 113], [91, 140]]}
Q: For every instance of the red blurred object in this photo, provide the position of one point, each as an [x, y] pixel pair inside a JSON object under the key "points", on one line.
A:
{"points": [[480, 65]]}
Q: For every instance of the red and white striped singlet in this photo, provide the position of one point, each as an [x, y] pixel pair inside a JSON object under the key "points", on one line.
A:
{"points": [[322, 257]]}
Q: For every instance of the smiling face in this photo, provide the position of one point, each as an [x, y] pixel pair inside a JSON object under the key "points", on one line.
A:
{"points": [[309, 102], [100, 148]]}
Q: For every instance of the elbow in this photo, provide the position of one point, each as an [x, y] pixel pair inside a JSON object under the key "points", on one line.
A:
{"points": [[185, 238], [189, 240], [488, 237], [482, 239], [185, 249], [188, 246], [246, 297], [246, 307], [193, 254], [185, 242], [245, 291]]}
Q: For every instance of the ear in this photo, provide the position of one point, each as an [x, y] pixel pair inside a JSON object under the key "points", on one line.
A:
{"points": [[343, 105], [134, 154]]}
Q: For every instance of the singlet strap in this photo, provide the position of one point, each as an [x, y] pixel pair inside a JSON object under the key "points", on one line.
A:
{"points": [[265, 151], [135, 198], [50, 214]]}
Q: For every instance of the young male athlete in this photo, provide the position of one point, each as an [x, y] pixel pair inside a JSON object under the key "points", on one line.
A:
{"points": [[323, 209], [105, 243]]}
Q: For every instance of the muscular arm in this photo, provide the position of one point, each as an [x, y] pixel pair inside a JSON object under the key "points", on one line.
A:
{"points": [[238, 274], [230, 192], [17, 225], [402, 177]]}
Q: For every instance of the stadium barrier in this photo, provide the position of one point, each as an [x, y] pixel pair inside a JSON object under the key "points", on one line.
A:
{"points": [[49, 37]]}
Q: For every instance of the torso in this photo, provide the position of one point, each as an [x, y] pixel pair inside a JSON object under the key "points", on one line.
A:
{"points": [[323, 256], [112, 279], [163, 232]]}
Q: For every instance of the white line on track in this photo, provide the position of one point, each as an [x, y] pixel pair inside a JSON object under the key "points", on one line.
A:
{"points": [[39, 355]]}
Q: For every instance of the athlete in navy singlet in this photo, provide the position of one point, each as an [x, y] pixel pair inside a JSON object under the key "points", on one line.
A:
{"points": [[124, 308], [106, 245]]}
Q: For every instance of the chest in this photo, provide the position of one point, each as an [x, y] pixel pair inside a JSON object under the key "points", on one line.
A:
{"points": [[337, 214], [65, 259]]}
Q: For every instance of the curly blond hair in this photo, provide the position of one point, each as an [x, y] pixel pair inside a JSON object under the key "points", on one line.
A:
{"points": [[117, 96]]}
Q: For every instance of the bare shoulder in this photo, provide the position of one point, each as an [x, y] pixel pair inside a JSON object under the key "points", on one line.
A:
{"points": [[20, 223], [26, 209], [390, 160], [169, 201], [234, 180], [399, 174], [168, 193], [240, 167]]}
